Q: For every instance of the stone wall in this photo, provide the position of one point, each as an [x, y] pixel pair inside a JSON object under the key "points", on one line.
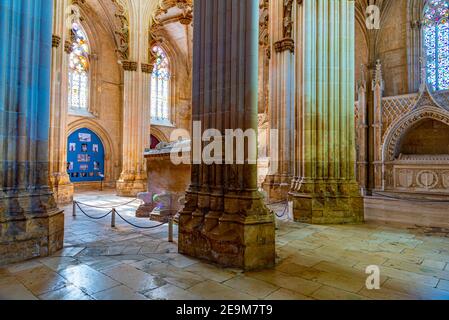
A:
{"points": [[105, 94], [391, 48]]}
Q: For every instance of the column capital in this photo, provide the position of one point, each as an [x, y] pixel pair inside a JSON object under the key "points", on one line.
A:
{"points": [[68, 47], [55, 41], [285, 44], [129, 65], [147, 67]]}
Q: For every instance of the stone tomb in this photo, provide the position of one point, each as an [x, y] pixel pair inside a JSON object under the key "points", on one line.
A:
{"points": [[164, 176]]}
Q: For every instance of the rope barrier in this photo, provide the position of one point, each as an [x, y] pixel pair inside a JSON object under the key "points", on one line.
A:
{"points": [[113, 207], [92, 217], [114, 213], [139, 227], [279, 202]]}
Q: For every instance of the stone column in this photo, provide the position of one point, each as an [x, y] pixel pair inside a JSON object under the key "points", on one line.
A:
{"points": [[31, 225], [136, 103], [136, 122], [378, 87], [327, 190], [225, 220], [282, 99], [362, 135], [59, 179]]}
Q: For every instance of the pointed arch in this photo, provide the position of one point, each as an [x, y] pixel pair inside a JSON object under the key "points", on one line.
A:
{"points": [[160, 87], [436, 43], [79, 69]]}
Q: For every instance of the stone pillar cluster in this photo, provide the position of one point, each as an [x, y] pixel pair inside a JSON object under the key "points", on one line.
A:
{"points": [[326, 190], [362, 128], [136, 102], [136, 122], [60, 183], [31, 225], [225, 220], [378, 88], [282, 99]]}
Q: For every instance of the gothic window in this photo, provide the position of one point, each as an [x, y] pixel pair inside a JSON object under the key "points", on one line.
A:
{"points": [[160, 79], [436, 42], [79, 70]]}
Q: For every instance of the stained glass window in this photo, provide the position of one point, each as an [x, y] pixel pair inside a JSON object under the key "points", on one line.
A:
{"points": [[436, 42], [79, 69], [160, 80]]}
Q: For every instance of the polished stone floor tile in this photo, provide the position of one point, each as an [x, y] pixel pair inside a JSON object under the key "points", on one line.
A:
{"points": [[283, 280], [171, 292], [119, 293], [285, 294], [70, 293], [133, 278], [15, 291], [41, 280], [313, 262], [88, 279], [251, 286], [443, 285], [216, 291], [212, 272], [330, 293]]}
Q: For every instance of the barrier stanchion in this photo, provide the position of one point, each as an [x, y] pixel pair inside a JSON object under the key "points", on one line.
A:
{"points": [[113, 218], [74, 209], [170, 229], [114, 213]]}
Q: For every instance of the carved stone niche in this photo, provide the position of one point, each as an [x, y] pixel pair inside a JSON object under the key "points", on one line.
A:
{"points": [[421, 164]]}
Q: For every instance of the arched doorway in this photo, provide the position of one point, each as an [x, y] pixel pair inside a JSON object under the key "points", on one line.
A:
{"points": [[85, 157]]}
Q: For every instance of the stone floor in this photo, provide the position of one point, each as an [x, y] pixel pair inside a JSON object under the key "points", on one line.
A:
{"points": [[314, 262]]}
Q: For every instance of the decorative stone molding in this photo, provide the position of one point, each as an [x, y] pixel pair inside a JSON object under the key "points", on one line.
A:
{"points": [[186, 6], [68, 47], [288, 18], [394, 108], [129, 65], [419, 176], [396, 132], [285, 44], [55, 41], [78, 2], [147, 68], [122, 34], [378, 77], [264, 23]]}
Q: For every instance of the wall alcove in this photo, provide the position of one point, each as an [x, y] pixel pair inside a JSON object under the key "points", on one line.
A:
{"points": [[85, 157], [427, 137]]}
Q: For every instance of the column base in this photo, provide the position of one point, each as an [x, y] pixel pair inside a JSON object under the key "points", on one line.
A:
{"points": [[277, 187], [328, 203], [63, 189], [130, 186], [244, 240], [31, 226]]}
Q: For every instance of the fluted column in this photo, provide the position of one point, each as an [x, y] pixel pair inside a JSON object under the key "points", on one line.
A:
{"points": [[59, 179], [282, 98], [136, 104], [362, 135], [327, 191], [31, 225], [378, 88], [225, 220], [135, 121]]}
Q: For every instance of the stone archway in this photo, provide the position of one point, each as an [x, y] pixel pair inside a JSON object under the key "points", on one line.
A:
{"points": [[397, 131], [110, 150]]}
